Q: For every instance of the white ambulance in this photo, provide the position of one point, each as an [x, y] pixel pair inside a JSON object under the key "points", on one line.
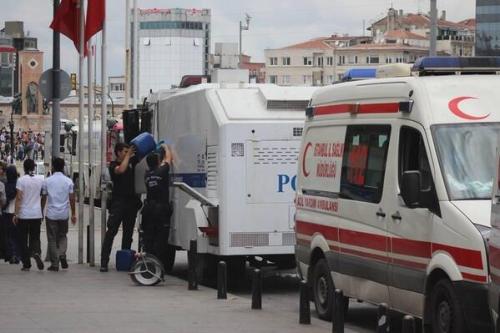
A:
{"points": [[394, 191]]}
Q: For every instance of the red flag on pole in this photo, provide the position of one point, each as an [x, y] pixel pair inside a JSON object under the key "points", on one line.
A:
{"points": [[96, 12], [67, 20]]}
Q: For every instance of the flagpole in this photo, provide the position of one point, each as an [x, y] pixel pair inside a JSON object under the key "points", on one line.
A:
{"points": [[127, 54], [135, 57], [81, 193], [104, 114], [90, 74], [56, 87]]}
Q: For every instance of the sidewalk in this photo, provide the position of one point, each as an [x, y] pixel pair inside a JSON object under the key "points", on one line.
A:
{"points": [[83, 300]]}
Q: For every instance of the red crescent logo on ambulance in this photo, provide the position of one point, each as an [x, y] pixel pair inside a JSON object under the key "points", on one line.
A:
{"points": [[306, 174], [454, 107]]}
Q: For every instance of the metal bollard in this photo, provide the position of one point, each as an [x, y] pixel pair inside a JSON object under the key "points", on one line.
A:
{"points": [[338, 313], [222, 280], [192, 258], [383, 318], [305, 310], [408, 325], [88, 244], [257, 289]]}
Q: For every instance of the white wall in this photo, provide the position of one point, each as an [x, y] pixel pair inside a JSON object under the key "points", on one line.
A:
{"points": [[163, 61]]}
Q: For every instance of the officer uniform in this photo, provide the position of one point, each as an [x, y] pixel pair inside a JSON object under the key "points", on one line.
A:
{"points": [[157, 210], [123, 208]]}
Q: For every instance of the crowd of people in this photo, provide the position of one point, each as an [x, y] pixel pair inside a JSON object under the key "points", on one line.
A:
{"points": [[25, 201], [27, 144]]}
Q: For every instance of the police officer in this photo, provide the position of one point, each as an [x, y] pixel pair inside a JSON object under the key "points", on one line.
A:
{"points": [[124, 201], [157, 209]]}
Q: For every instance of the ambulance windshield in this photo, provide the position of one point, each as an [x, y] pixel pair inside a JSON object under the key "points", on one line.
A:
{"points": [[467, 157]]}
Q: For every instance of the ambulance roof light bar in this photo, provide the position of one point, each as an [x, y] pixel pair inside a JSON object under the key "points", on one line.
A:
{"points": [[430, 66]]}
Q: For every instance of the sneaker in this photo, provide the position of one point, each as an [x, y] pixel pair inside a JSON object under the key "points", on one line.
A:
{"points": [[39, 262], [13, 260], [25, 269], [103, 269], [53, 269], [64, 262]]}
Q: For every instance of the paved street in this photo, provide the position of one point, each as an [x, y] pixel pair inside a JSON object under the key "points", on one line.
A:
{"points": [[84, 300]]}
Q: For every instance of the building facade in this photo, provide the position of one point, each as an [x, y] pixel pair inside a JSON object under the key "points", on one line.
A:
{"points": [[453, 38], [488, 27], [172, 43], [256, 70], [7, 67], [21, 65], [323, 61]]}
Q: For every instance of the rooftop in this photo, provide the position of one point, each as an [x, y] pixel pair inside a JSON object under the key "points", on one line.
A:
{"points": [[403, 34]]}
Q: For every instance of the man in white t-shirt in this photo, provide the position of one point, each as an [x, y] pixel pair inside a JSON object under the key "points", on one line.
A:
{"points": [[28, 214], [58, 189]]}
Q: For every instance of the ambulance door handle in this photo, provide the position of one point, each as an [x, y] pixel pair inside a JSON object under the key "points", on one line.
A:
{"points": [[397, 216], [380, 213]]}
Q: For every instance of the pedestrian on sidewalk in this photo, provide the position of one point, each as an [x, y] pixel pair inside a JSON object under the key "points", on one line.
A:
{"points": [[28, 214], [58, 189], [12, 234], [124, 201]]}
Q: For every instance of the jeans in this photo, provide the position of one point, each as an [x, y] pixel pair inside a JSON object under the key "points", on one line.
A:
{"points": [[57, 240], [29, 239], [122, 210], [10, 237]]}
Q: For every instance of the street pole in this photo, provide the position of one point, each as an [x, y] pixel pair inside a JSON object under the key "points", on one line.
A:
{"points": [[243, 27], [104, 114], [90, 147], [56, 87], [432, 50], [135, 81], [81, 192], [11, 126], [127, 54]]}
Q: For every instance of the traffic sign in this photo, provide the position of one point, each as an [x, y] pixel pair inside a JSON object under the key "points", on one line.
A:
{"points": [[46, 85]]}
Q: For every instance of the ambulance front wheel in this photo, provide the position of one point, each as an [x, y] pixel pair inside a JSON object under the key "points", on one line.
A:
{"points": [[446, 312]]}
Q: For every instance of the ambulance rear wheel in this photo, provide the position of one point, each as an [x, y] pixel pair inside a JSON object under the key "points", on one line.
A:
{"points": [[323, 287], [446, 312]]}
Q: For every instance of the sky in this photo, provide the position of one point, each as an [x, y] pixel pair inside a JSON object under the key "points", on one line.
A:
{"points": [[274, 24]]}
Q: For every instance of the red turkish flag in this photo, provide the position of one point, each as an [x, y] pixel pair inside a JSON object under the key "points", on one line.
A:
{"points": [[67, 21], [96, 13]]}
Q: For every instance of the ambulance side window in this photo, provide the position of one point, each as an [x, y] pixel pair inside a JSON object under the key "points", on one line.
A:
{"points": [[413, 157], [364, 161]]}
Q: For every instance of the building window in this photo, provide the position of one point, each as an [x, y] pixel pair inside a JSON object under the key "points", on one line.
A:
{"points": [[286, 79], [329, 61], [319, 61], [162, 25], [4, 58], [355, 59], [273, 61], [273, 79], [341, 60], [285, 61], [308, 61], [372, 60], [308, 79]]}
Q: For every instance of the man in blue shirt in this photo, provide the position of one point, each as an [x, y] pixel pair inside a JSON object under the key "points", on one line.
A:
{"points": [[58, 189]]}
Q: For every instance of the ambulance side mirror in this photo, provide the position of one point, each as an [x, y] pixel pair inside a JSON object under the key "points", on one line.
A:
{"points": [[410, 188]]}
